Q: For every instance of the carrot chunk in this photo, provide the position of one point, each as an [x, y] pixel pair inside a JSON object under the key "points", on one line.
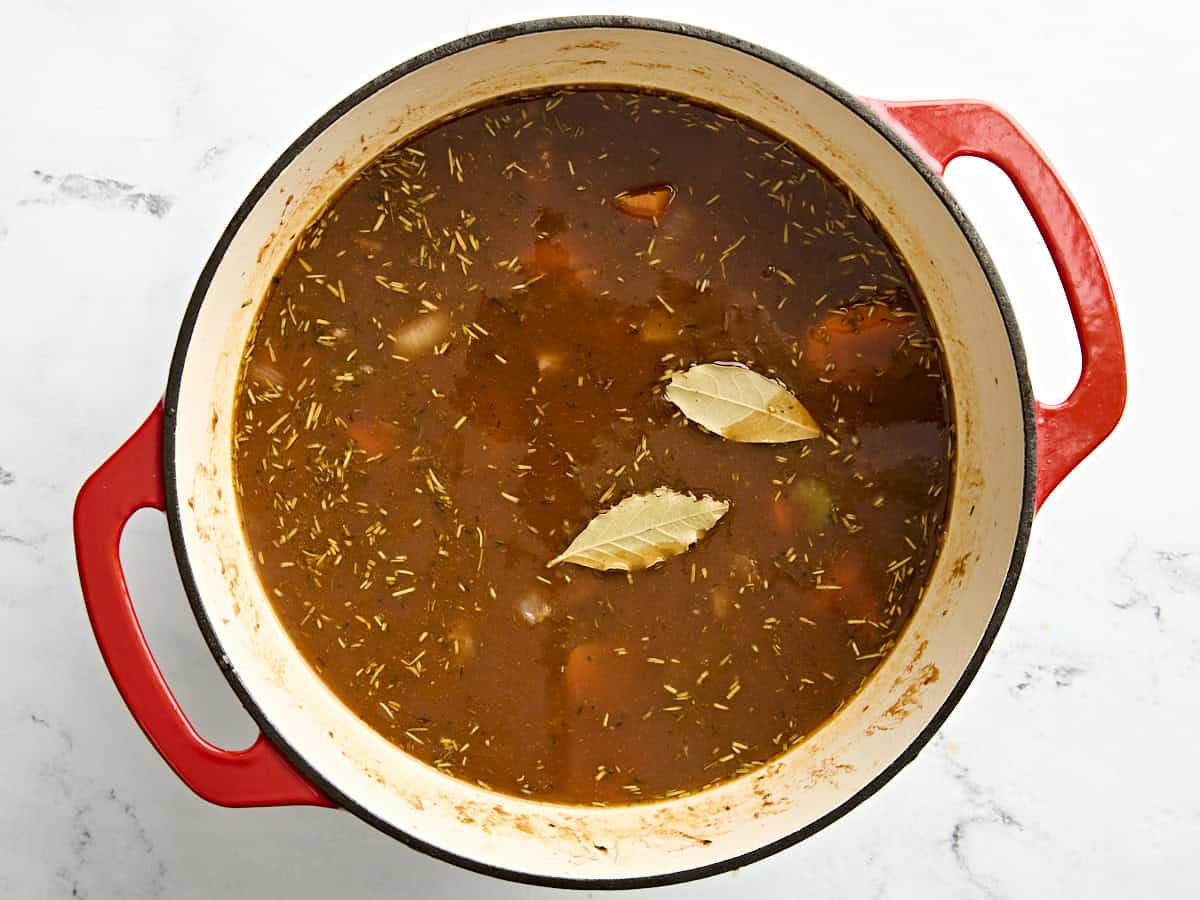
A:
{"points": [[861, 339], [374, 436], [646, 203], [551, 256], [859, 596], [565, 255]]}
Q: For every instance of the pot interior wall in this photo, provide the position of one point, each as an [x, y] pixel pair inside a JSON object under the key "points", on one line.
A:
{"points": [[813, 779]]}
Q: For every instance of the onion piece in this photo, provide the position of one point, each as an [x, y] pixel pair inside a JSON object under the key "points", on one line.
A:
{"points": [[422, 334]]}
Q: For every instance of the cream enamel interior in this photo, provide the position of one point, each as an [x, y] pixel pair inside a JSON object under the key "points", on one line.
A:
{"points": [[556, 841]]}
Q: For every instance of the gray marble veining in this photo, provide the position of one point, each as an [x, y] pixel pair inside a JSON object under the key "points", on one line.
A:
{"points": [[100, 193]]}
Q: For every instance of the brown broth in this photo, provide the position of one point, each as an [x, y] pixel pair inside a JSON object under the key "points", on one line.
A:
{"points": [[461, 364]]}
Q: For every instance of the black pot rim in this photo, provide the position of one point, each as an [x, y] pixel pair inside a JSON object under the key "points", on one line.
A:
{"points": [[171, 409]]}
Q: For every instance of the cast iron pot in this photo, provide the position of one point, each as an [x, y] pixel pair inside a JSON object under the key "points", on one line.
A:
{"points": [[1011, 453]]}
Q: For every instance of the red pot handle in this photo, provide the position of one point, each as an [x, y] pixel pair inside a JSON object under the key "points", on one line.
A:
{"points": [[131, 480], [1069, 431]]}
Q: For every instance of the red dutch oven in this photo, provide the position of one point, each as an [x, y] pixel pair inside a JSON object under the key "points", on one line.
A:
{"points": [[1011, 453]]}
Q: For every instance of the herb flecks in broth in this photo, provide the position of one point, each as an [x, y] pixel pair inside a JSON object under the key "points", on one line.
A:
{"points": [[466, 359]]}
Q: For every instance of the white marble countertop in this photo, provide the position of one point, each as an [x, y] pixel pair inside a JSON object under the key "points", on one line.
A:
{"points": [[131, 131]]}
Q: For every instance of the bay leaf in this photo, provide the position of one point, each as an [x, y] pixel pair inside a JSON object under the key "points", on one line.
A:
{"points": [[642, 530], [741, 405]]}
